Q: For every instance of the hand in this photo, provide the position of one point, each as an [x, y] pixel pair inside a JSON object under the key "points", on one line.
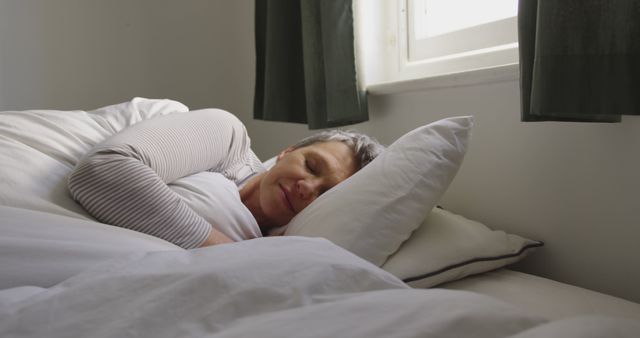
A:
{"points": [[216, 237]]}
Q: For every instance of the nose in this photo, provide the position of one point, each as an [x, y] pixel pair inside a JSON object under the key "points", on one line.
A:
{"points": [[308, 189]]}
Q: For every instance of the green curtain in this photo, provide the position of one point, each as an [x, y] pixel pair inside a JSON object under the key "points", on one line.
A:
{"points": [[305, 63], [579, 59]]}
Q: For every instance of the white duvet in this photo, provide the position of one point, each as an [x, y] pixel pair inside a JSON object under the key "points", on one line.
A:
{"points": [[39, 148], [268, 287]]}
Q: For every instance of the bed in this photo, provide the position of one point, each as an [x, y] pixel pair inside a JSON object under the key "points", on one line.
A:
{"points": [[366, 260]]}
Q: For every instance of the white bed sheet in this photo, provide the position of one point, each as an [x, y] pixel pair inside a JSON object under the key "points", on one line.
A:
{"points": [[553, 299]]}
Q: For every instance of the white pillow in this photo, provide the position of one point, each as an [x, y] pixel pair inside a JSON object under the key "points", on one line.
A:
{"points": [[448, 247], [374, 211]]}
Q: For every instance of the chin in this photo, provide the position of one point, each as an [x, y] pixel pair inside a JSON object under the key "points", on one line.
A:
{"points": [[276, 213], [273, 217]]}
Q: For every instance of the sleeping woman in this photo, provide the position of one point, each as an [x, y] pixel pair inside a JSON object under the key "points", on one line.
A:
{"points": [[124, 180]]}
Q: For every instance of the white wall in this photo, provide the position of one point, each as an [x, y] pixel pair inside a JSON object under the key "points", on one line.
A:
{"points": [[572, 185], [81, 54]]}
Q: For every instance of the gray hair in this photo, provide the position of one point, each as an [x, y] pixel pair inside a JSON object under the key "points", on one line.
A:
{"points": [[364, 147]]}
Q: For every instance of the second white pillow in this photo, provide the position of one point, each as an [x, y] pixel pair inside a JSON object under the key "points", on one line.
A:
{"points": [[448, 247]]}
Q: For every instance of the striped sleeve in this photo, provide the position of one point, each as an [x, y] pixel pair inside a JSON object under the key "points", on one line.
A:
{"points": [[123, 181]]}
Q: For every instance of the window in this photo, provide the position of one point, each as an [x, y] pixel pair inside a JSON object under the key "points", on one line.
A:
{"points": [[409, 40]]}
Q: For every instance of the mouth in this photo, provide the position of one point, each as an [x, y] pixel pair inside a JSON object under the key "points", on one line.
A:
{"points": [[285, 198]]}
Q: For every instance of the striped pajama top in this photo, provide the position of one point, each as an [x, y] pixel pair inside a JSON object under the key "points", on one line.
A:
{"points": [[123, 181]]}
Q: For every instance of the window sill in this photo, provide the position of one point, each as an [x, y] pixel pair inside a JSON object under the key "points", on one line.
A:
{"points": [[510, 72]]}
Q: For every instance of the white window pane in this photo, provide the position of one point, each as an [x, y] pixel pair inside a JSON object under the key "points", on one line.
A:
{"points": [[436, 17]]}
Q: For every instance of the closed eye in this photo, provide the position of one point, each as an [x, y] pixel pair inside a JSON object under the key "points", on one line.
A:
{"points": [[310, 166]]}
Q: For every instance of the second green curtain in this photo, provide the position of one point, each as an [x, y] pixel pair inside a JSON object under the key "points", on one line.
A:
{"points": [[579, 59]]}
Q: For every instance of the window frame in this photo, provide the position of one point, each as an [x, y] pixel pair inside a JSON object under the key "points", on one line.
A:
{"points": [[386, 63]]}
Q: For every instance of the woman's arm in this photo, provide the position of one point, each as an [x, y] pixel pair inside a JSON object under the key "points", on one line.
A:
{"points": [[124, 181]]}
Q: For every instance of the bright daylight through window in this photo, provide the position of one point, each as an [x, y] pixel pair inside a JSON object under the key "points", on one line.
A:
{"points": [[441, 30], [436, 17]]}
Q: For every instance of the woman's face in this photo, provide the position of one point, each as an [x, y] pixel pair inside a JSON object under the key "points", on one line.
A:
{"points": [[300, 176]]}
